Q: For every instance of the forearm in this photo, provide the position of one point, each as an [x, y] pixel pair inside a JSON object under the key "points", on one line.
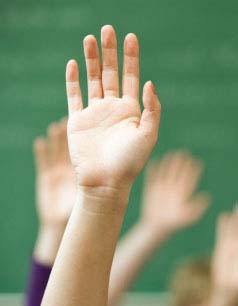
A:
{"points": [[131, 254], [81, 272]]}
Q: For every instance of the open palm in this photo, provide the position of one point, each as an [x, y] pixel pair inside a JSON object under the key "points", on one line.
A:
{"points": [[169, 200], [55, 186], [110, 140]]}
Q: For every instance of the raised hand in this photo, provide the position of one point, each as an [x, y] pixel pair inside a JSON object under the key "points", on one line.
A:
{"points": [[169, 202], [55, 177], [168, 205], [110, 139], [109, 143], [55, 190]]}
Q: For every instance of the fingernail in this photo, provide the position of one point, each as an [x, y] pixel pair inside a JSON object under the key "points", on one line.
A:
{"points": [[152, 87]]}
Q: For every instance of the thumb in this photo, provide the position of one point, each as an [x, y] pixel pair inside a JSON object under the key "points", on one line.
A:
{"points": [[198, 205], [151, 114]]}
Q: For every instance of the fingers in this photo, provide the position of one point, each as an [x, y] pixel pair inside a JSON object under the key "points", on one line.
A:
{"points": [[172, 165], [109, 62], [151, 115], [105, 82], [53, 132], [93, 68], [58, 143], [182, 171], [198, 206], [130, 79], [165, 166], [52, 150], [73, 90], [189, 174], [40, 153]]}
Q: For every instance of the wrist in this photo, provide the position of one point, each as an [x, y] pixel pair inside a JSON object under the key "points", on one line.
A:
{"points": [[103, 199], [47, 243]]}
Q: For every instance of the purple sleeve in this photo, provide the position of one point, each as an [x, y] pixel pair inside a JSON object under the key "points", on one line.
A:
{"points": [[39, 276]]}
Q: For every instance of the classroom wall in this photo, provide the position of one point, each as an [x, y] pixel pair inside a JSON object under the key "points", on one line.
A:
{"points": [[188, 48]]}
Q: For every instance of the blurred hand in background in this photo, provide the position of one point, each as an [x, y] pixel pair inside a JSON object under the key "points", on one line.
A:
{"points": [[55, 190], [169, 204]]}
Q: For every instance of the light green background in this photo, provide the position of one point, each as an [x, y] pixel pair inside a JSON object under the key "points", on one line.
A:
{"points": [[188, 48]]}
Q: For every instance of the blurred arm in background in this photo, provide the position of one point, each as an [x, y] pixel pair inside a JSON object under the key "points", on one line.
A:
{"points": [[169, 205], [55, 196], [225, 262]]}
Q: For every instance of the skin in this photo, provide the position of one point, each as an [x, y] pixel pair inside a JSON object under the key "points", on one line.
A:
{"points": [[55, 190], [109, 143], [170, 201], [225, 262], [169, 204]]}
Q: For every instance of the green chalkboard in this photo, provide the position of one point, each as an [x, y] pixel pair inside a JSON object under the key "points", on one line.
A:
{"points": [[188, 48]]}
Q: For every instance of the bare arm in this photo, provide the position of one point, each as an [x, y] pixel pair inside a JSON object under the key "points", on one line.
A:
{"points": [[81, 271], [103, 141], [131, 254], [169, 205], [55, 196]]}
